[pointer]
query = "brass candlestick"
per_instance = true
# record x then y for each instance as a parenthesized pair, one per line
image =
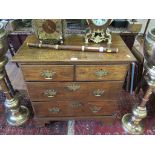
(132, 123)
(15, 113)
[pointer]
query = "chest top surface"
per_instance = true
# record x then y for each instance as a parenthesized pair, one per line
(26, 55)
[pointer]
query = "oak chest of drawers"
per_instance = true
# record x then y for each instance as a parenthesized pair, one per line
(71, 84)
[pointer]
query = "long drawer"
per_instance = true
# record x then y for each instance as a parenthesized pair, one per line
(100, 72)
(74, 108)
(48, 72)
(53, 91)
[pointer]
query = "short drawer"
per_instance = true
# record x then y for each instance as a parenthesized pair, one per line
(53, 91)
(48, 72)
(74, 108)
(100, 72)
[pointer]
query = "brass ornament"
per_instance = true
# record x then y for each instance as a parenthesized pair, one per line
(95, 109)
(101, 73)
(149, 47)
(98, 33)
(75, 104)
(3, 62)
(50, 93)
(54, 110)
(98, 37)
(98, 92)
(3, 42)
(73, 86)
(16, 114)
(132, 122)
(49, 30)
(48, 74)
(49, 26)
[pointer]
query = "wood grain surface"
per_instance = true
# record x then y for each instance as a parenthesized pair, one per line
(89, 73)
(35, 55)
(43, 109)
(61, 72)
(78, 92)
(111, 90)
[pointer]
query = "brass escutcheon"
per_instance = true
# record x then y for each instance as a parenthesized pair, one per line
(48, 74)
(98, 92)
(101, 73)
(75, 104)
(54, 110)
(73, 86)
(50, 93)
(95, 109)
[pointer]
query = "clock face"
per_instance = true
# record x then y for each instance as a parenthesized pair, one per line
(49, 26)
(99, 22)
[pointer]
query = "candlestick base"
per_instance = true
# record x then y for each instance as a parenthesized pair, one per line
(131, 128)
(131, 123)
(18, 118)
(16, 114)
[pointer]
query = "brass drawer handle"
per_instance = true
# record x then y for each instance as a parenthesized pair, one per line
(54, 110)
(73, 86)
(101, 73)
(98, 92)
(48, 74)
(75, 104)
(95, 109)
(50, 93)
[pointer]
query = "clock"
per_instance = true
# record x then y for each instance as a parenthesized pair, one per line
(49, 30)
(98, 31)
